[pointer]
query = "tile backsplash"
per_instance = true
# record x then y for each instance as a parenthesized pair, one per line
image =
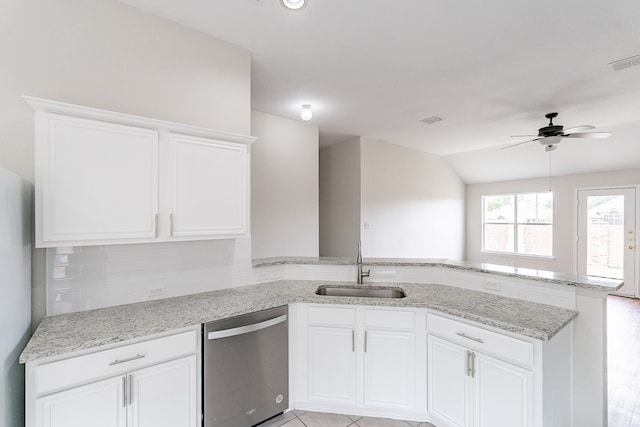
(87, 277)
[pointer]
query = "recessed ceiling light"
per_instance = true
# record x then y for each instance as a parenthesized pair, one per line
(306, 113)
(294, 4)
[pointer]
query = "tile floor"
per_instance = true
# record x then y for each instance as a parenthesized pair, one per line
(317, 419)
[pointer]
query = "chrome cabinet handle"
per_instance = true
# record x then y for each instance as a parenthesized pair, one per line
(463, 335)
(473, 364)
(365, 340)
(171, 225)
(130, 379)
(353, 340)
(156, 225)
(124, 391)
(470, 362)
(129, 359)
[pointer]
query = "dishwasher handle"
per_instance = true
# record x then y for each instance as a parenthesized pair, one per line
(246, 329)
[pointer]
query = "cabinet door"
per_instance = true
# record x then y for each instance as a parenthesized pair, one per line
(389, 369)
(96, 181)
(448, 383)
(331, 365)
(98, 404)
(164, 395)
(503, 394)
(209, 187)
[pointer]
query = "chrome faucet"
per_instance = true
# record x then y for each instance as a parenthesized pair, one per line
(361, 273)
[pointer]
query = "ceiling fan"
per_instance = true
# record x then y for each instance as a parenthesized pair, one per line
(551, 135)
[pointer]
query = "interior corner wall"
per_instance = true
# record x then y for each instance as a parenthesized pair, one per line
(413, 204)
(284, 187)
(340, 199)
(564, 220)
(15, 281)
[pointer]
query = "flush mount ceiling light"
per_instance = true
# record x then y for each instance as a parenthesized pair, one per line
(306, 113)
(293, 4)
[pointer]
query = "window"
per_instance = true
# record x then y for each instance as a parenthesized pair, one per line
(518, 224)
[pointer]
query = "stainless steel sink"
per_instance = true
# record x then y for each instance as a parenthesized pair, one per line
(360, 291)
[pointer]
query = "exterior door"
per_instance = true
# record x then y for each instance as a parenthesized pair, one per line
(607, 235)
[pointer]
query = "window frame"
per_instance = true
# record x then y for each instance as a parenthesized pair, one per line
(515, 225)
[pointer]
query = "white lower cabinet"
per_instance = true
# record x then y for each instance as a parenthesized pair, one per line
(361, 359)
(97, 404)
(332, 365)
(161, 395)
(467, 388)
(389, 369)
(152, 383)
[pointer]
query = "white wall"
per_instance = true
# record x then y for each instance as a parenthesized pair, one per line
(104, 54)
(15, 302)
(284, 187)
(563, 188)
(340, 199)
(412, 204)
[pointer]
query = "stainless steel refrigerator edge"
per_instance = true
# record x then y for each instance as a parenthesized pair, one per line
(246, 374)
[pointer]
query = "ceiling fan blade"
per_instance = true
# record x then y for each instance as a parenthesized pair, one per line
(578, 129)
(522, 136)
(589, 135)
(519, 143)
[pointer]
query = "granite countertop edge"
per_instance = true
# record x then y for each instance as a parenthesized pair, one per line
(580, 281)
(62, 334)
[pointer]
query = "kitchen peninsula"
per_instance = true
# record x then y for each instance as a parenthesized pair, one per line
(538, 312)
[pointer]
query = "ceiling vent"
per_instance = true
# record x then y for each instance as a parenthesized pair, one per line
(431, 120)
(625, 63)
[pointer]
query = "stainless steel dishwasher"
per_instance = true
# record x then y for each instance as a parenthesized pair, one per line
(246, 368)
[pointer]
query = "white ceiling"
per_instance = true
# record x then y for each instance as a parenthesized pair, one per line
(490, 68)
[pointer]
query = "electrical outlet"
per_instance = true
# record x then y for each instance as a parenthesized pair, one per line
(492, 285)
(155, 292)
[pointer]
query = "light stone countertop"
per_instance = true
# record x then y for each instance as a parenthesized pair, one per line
(580, 281)
(62, 334)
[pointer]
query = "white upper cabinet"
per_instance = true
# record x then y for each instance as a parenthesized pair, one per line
(208, 187)
(97, 181)
(112, 178)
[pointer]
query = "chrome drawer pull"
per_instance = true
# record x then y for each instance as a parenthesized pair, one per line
(129, 359)
(463, 335)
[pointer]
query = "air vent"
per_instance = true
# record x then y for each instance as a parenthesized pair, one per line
(625, 63)
(255, 1)
(431, 120)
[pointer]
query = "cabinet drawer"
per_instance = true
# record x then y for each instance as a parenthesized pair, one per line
(502, 346)
(101, 364)
(389, 319)
(335, 316)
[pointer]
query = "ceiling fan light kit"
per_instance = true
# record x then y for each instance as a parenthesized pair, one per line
(551, 135)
